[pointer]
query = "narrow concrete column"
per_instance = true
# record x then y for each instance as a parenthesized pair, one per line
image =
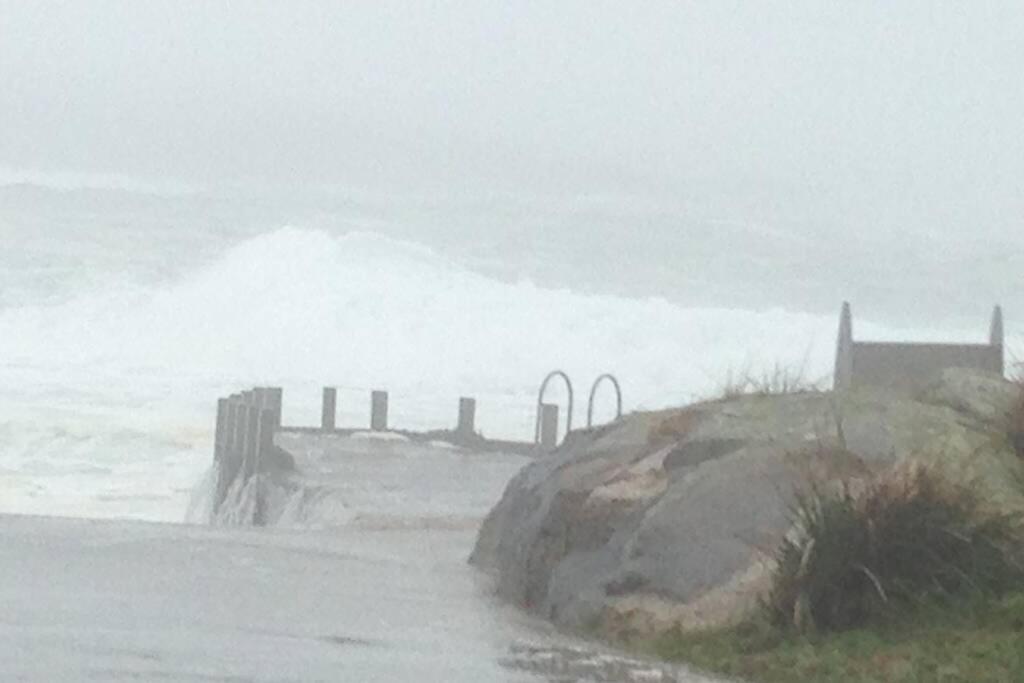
(275, 398)
(467, 417)
(266, 439)
(549, 426)
(227, 465)
(237, 431)
(220, 435)
(842, 377)
(235, 452)
(329, 409)
(379, 411)
(252, 440)
(260, 396)
(264, 446)
(995, 339)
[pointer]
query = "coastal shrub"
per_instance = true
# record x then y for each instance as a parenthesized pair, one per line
(861, 553)
(774, 382)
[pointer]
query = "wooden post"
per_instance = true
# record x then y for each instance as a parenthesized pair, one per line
(549, 426)
(329, 409)
(379, 411)
(467, 417)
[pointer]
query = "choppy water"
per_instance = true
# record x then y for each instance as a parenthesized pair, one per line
(124, 315)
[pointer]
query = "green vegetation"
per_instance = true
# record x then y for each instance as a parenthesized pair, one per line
(904, 577)
(904, 538)
(972, 642)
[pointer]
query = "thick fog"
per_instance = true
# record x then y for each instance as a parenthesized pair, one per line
(847, 149)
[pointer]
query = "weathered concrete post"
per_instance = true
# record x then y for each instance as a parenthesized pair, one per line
(329, 409)
(224, 447)
(252, 440)
(220, 434)
(264, 446)
(549, 426)
(996, 338)
(274, 399)
(379, 411)
(467, 417)
(266, 440)
(843, 376)
(238, 433)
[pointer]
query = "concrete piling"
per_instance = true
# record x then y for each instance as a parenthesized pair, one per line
(266, 440)
(548, 426)
(329, 409)
(274, 400)
(379, 411)
(247, 422)
(221, 433)
(252, 439)
(467, 417)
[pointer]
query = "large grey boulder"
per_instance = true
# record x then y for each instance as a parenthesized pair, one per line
(669, 518)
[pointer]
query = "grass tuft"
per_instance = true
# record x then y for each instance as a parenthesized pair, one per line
(861, 554)
(774, 382)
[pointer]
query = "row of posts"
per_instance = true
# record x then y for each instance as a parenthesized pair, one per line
(465, 427)
(246, 423)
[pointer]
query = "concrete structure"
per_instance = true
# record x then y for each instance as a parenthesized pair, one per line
(379, 411)
(329, 409)
(467, 417)
(907, 366)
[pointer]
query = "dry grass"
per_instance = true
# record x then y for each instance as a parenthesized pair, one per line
(773, 382)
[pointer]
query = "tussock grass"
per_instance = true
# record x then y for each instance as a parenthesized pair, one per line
(899, 576)
(900, 539)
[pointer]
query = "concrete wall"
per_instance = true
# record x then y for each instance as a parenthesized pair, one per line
(909, 366)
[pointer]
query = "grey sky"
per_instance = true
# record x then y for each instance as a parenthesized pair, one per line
(891, 115)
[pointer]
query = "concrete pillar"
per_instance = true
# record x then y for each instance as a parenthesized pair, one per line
(843, 376)
(220, 434)
(995, 339)
(227, 463)
(252, 440)
(548, 426)
(237, 431)
(273, 398)
(379, 411)
(266, 438)
(329, 408)
(467, 417)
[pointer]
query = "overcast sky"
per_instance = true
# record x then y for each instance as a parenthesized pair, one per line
(913, 110)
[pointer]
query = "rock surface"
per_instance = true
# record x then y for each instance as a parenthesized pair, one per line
(669, 518)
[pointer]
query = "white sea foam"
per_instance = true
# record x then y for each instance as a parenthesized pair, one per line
(108, 397)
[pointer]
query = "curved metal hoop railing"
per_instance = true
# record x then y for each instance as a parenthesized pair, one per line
(540, 402)
(593, 391)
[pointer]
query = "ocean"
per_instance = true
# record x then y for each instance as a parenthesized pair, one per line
(126, 311)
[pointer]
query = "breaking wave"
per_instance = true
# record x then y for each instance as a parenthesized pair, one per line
(123, 378)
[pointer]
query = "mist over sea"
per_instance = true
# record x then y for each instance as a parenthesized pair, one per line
(125, 312)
